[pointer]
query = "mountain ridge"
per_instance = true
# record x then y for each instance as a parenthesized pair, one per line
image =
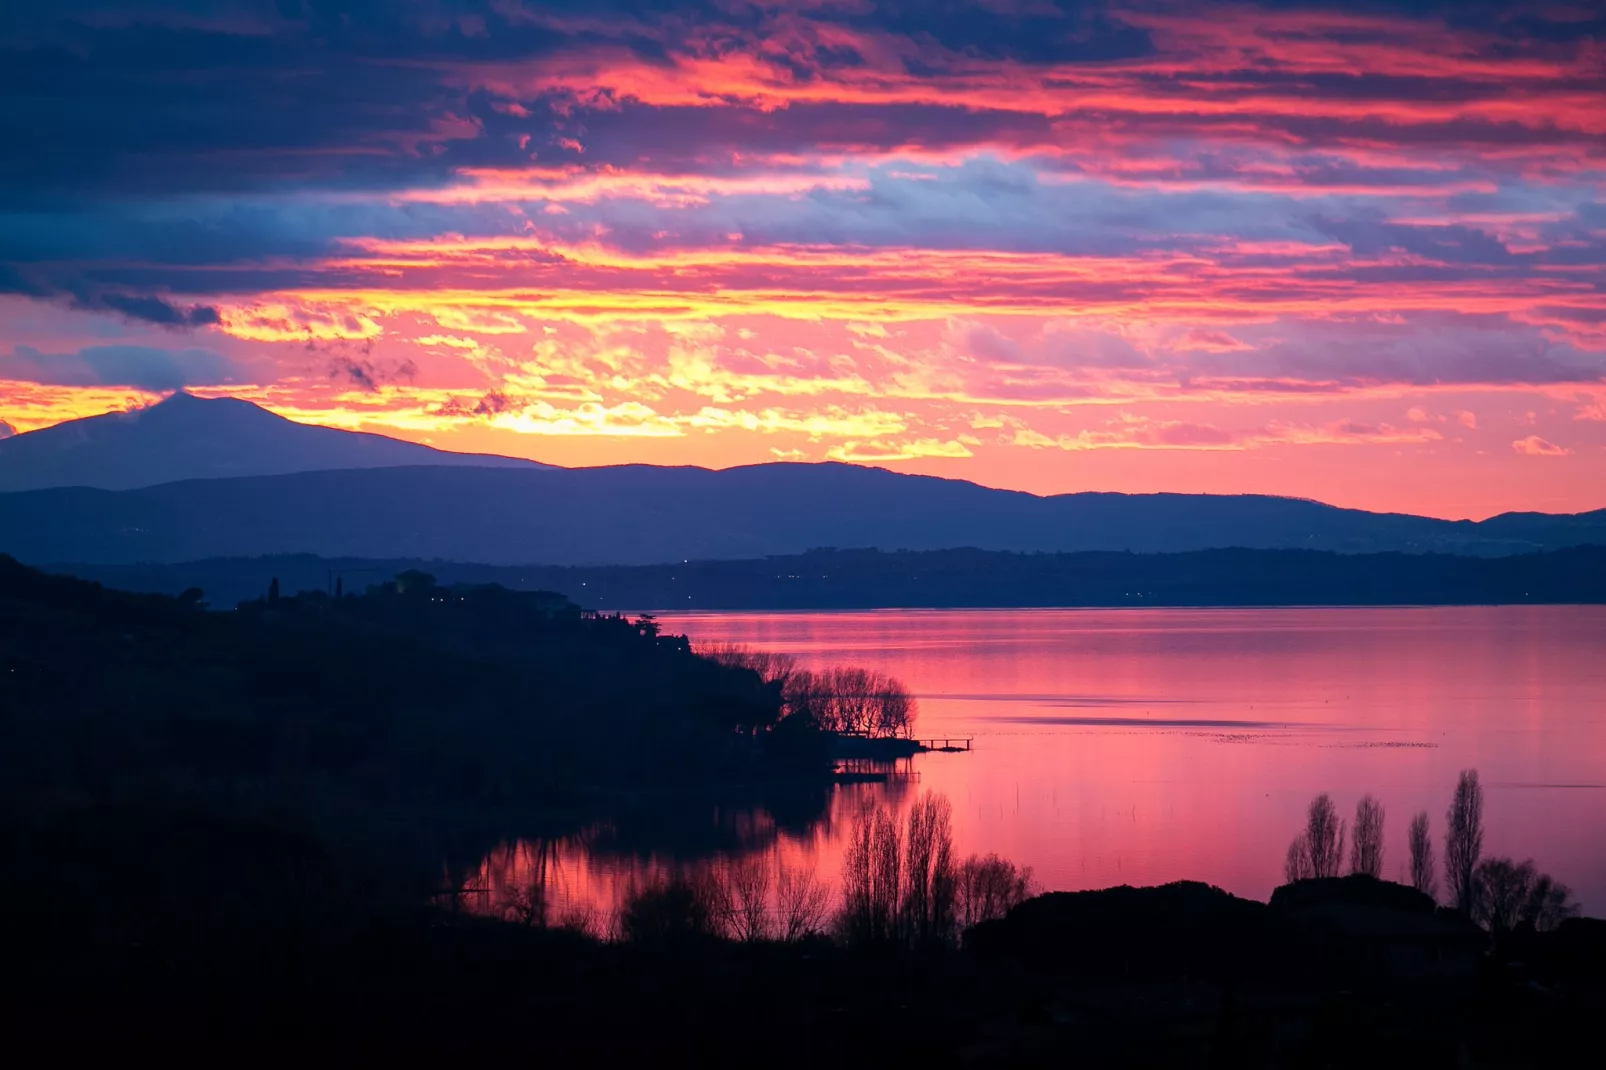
(641, 514)
(188, 437)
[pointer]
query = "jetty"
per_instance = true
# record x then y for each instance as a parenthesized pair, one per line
(854, 745)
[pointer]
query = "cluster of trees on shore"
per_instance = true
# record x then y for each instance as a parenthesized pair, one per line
(1498, 893)
(846, 700)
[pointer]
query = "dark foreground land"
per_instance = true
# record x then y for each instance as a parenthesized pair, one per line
(1183, 975)
(222, 838)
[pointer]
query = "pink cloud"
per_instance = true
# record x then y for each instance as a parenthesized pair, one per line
(1534, 446)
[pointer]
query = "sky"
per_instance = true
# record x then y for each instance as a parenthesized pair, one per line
(1345, 251)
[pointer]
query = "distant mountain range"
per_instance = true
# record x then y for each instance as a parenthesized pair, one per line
(194, 478)
(868, 579)
(186, 437)
(639, 514)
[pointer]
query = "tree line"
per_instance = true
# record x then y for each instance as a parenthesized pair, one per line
(846, 700)
(1498, 893)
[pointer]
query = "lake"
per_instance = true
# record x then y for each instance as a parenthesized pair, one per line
(1144, 746)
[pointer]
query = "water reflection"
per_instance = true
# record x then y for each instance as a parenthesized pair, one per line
(1144, 746)
(582, 879)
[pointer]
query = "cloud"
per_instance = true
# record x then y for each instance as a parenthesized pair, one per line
(142, 367)
(370, 375)
(884, 450)
(1534, 446)
(1131, 431)
(492, 403)
(745, 227)
(1417, 348)
(150, 309)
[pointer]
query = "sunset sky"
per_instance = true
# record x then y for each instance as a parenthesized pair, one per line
(1348, 251)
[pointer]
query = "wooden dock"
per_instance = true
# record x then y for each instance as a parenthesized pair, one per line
(852, 745)
(944, 744)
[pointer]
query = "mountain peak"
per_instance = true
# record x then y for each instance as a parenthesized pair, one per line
(185, 436)
(184, 401)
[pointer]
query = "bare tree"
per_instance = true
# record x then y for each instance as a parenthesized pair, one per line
(928, 871)
(746, 900)
(802, 903)
(989, 887)
(1423, 878)
(1463, 841)
(771, 666)
(851, 700)
(1549, 903)
(528, 905)
(871, 885)
(1296, 863)
(900, 886)
(1366, 843)
(1502, 889)
(1509, 893)
(1324, 837)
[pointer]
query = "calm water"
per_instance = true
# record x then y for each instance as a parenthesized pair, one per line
(1142, 746)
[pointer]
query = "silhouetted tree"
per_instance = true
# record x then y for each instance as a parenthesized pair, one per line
(668, 912)
(340, 586)
(802, 903)
(1549, 903)
(273, 589)
(988, 887)
(1324, 837)
(852, 700)
(928, 871)
(1510, 893)
(871, 879)
(771, 666)
(746, 895)
(1366, 841)
(1501, 889)
(1463, 841)
(1423, 878)
(1296, 863)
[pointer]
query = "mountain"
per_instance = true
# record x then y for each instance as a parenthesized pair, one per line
(186, 437)
(640, 514)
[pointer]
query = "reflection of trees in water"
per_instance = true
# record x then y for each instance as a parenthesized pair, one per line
(797, 829)
(689, 828)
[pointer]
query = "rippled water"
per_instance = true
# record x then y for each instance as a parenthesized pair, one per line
(1142, 746)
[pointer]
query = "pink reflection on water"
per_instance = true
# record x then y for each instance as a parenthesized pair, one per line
(575, 882)
(1142, 746)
